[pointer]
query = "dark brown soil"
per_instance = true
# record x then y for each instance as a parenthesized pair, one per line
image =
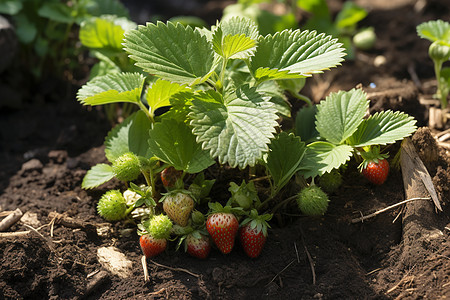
(47, 147)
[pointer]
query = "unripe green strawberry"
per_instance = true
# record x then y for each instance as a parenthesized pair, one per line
(365, 39)
(112, 206)
(331, 181)
(160, 227)
(312, 201)
(439, 51)
(178, 205)
(126, 167)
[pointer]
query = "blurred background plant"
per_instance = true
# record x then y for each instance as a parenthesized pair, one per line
(47, 36)
(276, 15)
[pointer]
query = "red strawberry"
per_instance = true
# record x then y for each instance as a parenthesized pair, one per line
(151, 246)
(376, 172)
(375, 167)
(253, 233)
(198, 245)
(169, 176)
(223, 226)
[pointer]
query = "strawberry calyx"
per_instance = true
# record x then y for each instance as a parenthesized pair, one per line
(174, 192)
(216, 207)
(371, 155)
(260, 222)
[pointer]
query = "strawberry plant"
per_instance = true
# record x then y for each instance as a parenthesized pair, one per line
(222, 93)
(44, 29)
(438, 32)
(336, 130)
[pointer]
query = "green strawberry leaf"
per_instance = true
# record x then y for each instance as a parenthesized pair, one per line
(272, 89)
(107, 7)
(322, 157)
(383, 128)
(104, 32)
(56, 11)
(350, 15)
(10, 7)
(305, 126)
(113, 88)
(295, 54)
(159, 93)
(130, 135)
(235, 38)
(236, 129)
(97, 175)
(285, 155)
(434, 31)
(171, 51)
(339, 116)
(173, 142)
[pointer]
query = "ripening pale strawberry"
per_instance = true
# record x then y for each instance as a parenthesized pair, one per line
(376, 172)
(253, 233)
(222, 226)
(126, 167)
(178, 205)
(198, 245)
(312, 201)
(151, 246)
(112, 206)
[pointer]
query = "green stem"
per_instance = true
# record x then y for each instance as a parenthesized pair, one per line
(222, 72)
(146, 111)
(151, 182)
(281, 203)
(129, 209)
(442, 95)
(303, 98)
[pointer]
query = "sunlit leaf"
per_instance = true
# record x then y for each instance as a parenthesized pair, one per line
(434, 30)
(340, 114)
(235, 38)
(294, 54)
(159, 93)
(237, 129)
(117, 87)
(104, 32)
(171, 51)
(383, 128)
(322, 157)
(97, 175)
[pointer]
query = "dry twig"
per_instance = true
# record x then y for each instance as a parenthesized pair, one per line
(144, 266)
(363, 218)
(279, 273)
(11, 219)
(175, 269)
(14, 234)
(311, 262)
